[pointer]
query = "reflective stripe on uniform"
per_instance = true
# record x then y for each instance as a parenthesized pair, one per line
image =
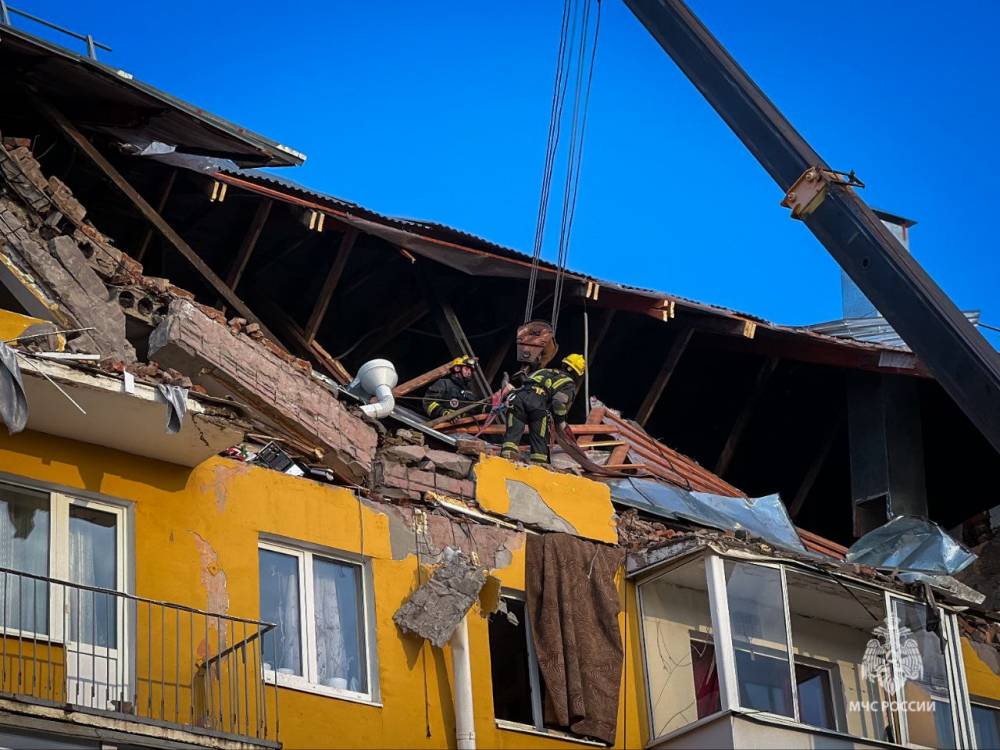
(539, 457)
(433, 407)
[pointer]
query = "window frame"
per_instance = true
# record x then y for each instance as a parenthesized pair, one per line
(981, 702)
(60, 503)
(725, 650)
(537, 727)
(308, 681)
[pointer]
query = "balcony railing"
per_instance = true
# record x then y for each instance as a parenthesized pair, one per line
(107, 652)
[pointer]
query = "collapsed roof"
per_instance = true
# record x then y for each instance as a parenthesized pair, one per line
(761, 404)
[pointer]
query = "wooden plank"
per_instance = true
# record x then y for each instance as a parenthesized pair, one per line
(619, 454)
(421, 380)
(812, 473)
(347, 240)
(305, 348)
(743, 418)
(674, 355)
(147, 211)
(249, 243)
(451, 327)
(160, 205)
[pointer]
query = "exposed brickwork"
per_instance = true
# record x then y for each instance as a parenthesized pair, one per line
(220, 360)
(63, 276)
(412, 481)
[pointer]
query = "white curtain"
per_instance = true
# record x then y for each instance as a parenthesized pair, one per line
(289, 652)
(332, 657)
(24, 546)
(83, 603)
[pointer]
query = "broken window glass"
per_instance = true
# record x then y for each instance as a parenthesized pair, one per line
(923, 673)
(279, 603)
(511, 665)
(677, 640)
(834, 623)
(757, 619)
(24, 547)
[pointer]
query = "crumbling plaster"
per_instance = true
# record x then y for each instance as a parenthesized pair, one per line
(548, 499)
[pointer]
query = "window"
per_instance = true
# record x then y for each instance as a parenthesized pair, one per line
(760, 639)
(928, 714)
(812, 648)
(832, 624)
(986, 725)
(50, 534)
(677, 643)
(516, 681)
(80, 541)
(319, 602)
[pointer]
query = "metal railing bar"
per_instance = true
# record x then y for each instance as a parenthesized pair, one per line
(219, 632)
(177, 665)
(102, 649)
(229, 649)
(7, 9)
(246, 684)
(135, 597)
(163, 666)
(149, 660)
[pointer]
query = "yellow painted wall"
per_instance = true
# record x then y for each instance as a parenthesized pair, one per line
(581, 502)
(193, 526)
(13, 324)
(983, 681)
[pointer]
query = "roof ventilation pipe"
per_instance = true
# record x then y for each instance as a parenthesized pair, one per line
(376, 378)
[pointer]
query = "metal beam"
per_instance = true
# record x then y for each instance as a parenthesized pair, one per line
(967, 367)
(347, 240)
(660, 383)
(148, 212)
(743, 418)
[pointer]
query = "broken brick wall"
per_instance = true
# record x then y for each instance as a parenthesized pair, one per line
(230, 363)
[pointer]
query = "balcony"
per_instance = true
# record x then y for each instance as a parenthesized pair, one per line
(108, 659)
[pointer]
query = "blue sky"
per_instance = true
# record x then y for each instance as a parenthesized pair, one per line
(439, 111)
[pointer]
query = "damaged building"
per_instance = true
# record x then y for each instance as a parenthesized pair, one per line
(227, 523)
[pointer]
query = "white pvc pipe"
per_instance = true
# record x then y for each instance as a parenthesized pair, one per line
(385, 404)
(465, 720)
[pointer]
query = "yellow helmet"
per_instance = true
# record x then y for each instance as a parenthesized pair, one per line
(576, 363)
(463, 361)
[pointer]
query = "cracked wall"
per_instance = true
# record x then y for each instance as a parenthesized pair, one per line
(546, 499)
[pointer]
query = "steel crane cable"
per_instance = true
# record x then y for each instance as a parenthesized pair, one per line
(551, 147)
(575, 159)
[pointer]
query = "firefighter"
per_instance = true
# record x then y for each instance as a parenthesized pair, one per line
(449, 394)
(549, 390)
